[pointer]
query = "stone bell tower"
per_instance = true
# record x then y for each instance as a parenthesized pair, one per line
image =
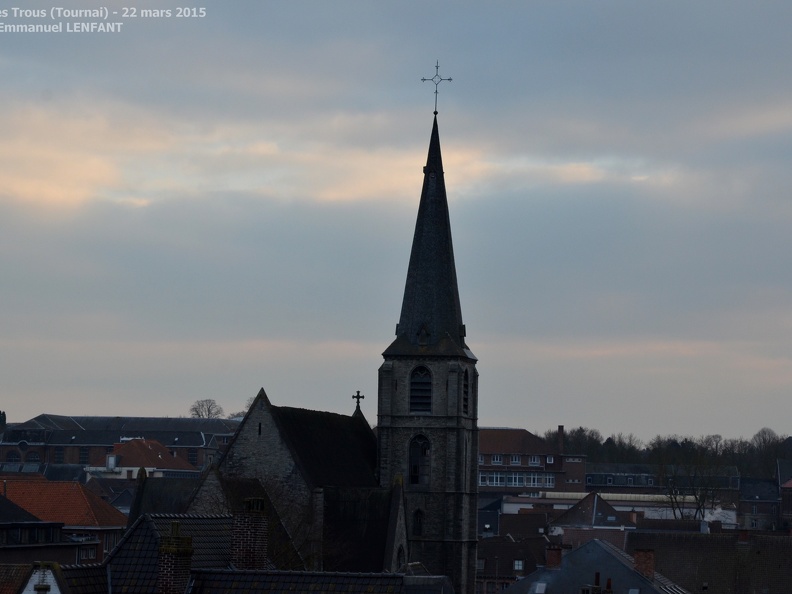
(428, 398)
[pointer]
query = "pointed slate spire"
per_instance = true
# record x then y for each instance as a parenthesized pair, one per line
(431, 318)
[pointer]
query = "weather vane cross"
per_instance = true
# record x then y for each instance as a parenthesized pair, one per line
(436, 79)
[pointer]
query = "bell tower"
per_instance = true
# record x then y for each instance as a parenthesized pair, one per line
(428, 397)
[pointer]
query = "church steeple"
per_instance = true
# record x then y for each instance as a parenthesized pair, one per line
(431, 317)
(427, 432)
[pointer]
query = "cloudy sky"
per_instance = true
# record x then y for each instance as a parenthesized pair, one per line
(199, 207)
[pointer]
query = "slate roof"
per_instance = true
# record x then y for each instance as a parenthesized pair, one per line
(752, 489)
(134, 562)
(431, 316)
(784, 471)
(162, 495)
(94, 430)
(593, 512)
(500, 552)
(502, 440)
(332, 450)
(579, 567)
(83, 579)
(67, 502)
(356, 524)
(254, 582)
(148, 453)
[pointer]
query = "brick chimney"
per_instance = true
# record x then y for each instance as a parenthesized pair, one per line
(553, 556)
(249, 536)
(645, 562)
(560, 438)
(175, 552)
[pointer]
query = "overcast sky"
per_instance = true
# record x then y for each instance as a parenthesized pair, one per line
(199, 207)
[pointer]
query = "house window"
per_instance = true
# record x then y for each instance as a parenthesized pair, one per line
(192, 456)
(754, 509)
(420, 448)
(515, 459)
(651, 482)
(550, 481)
(481, 458)
(87, 553)
(421, 390)
(480, 564)
(550, 459)
(13, 457)
(418, 523)
(83, 455)
(534, 461)
(32, 457)
(754, 523)
(466, 394)
(518, 565)
(515, 479)
(58, 455)
(497, 459)
(589, 480)
(610, 480)
(630, 480)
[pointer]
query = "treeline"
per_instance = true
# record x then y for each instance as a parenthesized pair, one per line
(755, 457)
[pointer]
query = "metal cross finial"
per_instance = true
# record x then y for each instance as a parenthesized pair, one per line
(436, 79)
(358, 397)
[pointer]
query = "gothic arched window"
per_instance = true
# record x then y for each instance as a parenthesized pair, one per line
(420, 450)
(418, 523)
(466, 393)
(421, 391)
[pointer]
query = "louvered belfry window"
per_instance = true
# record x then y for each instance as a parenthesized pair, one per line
(421, 391)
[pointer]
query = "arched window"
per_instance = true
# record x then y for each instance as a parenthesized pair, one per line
(466, 394)
(400, 557)
(418, 523)
(13, 456)
(421, 391)
(420, 450)
(32, 457)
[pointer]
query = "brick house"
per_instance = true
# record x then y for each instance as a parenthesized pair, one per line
(513, 461)
(84, 515)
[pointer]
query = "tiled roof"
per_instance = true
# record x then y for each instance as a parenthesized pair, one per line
(13, 577)
(66, 502)
(129, 424)
(10, 512)
(149, 454)
(512, 441)
(250, 582)
(333, 450)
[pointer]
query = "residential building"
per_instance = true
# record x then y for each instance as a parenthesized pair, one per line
(592, 518)
(85, 516)
(514, 461)
(760, 504)
(86, 440)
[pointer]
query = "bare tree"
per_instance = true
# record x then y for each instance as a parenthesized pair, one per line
(206, 409)
(242, 413)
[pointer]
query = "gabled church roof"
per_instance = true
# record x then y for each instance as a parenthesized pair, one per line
(333, 450)
(431, 317)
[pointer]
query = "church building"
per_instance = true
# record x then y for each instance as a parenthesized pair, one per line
(362, 500)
